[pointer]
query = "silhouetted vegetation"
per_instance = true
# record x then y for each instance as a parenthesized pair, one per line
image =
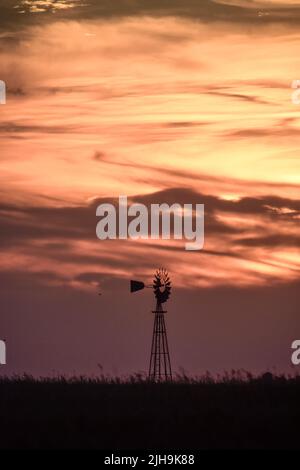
(237, 411)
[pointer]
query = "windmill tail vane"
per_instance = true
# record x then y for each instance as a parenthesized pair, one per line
(136, 285)
(160, 363)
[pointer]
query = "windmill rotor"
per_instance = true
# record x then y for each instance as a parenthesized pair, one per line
(162, 285)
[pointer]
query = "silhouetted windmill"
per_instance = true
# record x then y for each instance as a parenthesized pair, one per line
(160, 364)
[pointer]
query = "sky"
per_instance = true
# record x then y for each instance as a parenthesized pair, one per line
(182, 101)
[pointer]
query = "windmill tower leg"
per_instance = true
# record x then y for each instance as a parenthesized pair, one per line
(160, 364)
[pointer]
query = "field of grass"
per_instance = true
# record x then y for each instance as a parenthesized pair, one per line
(234, 412)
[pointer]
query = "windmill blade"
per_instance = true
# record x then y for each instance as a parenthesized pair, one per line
(136, 285)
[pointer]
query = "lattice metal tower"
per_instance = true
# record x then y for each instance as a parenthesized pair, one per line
(160, 363)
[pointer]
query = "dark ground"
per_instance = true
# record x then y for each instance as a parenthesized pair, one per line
(106, 414)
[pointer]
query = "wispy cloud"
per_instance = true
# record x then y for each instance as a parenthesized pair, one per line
(240, 238)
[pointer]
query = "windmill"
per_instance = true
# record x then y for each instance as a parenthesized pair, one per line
(160, 364)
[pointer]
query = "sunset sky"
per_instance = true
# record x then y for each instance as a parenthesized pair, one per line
(164, 101)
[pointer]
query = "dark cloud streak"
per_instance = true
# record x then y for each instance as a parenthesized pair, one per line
(205, 11)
